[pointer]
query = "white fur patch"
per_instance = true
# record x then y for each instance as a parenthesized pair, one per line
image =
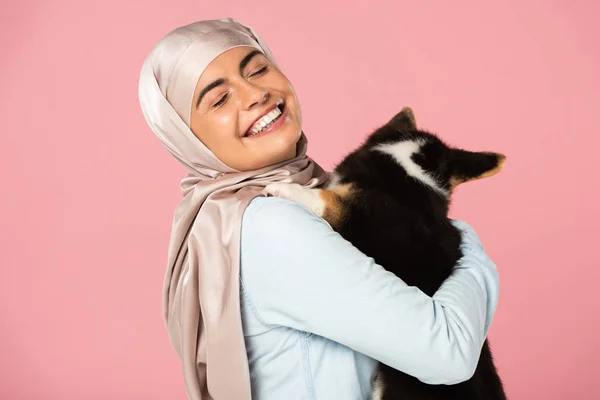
(334, 180)
(402, 152)
(308, 197)
(378, 388)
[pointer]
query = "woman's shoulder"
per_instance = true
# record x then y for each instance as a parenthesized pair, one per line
(283, 213)
(282, 228)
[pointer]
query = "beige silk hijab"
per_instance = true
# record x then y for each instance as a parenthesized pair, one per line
(201, 303)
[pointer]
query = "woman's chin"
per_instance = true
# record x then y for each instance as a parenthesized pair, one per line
(275, 148)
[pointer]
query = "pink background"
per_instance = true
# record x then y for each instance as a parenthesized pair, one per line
(88, 192)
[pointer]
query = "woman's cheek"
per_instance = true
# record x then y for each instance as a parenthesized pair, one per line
(227, 123)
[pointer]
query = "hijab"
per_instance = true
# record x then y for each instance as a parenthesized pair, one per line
(201, 296)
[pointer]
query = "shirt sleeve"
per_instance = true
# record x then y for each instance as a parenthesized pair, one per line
(299, 273)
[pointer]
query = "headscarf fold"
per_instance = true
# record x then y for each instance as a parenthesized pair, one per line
(201, 303)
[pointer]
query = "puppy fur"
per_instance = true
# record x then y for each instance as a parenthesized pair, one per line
(390, 198)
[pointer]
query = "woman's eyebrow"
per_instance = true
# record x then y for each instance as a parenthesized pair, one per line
(208, 88)
(247, 59)
(221, 81)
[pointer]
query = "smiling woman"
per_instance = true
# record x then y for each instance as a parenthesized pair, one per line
(262, 299)
(246, 110)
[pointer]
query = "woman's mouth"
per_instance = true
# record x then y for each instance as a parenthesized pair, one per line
(269, 122)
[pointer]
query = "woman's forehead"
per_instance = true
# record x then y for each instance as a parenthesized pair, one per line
(228, 63)
(231, 59)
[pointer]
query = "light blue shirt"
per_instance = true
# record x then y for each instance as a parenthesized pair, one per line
(318, 314)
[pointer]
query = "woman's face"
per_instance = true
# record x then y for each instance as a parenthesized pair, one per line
(246, 111)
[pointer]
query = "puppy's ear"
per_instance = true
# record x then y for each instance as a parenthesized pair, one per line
(467, 166)
(405, 120)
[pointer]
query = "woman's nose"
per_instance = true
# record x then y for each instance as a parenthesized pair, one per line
(255, 96)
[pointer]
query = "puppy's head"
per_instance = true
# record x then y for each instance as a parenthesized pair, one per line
(424, 157)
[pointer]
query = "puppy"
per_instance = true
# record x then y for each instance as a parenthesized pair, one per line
(390, 199)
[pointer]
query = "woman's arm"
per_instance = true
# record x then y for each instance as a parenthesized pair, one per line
(300, 273)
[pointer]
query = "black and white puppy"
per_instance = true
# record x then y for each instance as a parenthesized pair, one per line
(391, 197)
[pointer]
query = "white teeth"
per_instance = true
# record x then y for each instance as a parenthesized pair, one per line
(265, 121)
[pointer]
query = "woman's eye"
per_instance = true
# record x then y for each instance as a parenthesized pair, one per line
(260, 71)
(221, 101)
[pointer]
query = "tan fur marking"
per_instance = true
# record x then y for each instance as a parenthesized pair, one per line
(343, 190)
(494, 171)
(455, 181)
(408, 112)
(335, 208)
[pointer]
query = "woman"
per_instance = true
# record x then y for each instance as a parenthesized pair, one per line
(262, 299)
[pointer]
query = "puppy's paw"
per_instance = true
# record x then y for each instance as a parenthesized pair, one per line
(283, 190)
(309, 198)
